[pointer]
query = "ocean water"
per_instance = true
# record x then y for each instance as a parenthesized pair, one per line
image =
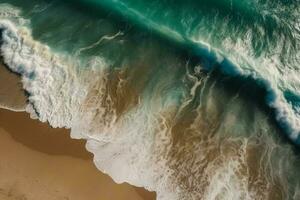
(191, 99)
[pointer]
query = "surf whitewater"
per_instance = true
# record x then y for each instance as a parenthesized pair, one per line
(193, 99)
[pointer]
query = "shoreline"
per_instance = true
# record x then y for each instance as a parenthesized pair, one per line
(41, 162)
(62, 162)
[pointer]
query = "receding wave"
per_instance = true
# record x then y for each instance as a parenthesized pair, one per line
(187, 113)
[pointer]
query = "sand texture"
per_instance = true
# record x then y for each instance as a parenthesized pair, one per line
(12, 95)
(41, 163)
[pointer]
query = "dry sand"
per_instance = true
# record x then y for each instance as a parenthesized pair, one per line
(38, 162)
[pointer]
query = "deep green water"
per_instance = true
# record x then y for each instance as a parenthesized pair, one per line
(191, 99)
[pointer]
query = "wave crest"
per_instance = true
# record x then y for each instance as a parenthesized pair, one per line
(171, 141)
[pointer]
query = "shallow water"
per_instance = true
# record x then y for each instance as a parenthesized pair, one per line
(191, 99)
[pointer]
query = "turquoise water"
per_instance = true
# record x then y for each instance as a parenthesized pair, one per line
(191, 99)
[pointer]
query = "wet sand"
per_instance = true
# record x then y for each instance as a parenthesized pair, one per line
(38, 162)
(11, 92)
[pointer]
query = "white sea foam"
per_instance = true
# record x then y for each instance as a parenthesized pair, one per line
(57, 92)
(137, 147)
(269, 71)
(48, 80)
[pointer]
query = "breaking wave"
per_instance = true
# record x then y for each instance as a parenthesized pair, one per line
(159, 108)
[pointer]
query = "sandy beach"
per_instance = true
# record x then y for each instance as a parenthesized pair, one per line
(11, 93)
(38, 162)
(41, 163)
